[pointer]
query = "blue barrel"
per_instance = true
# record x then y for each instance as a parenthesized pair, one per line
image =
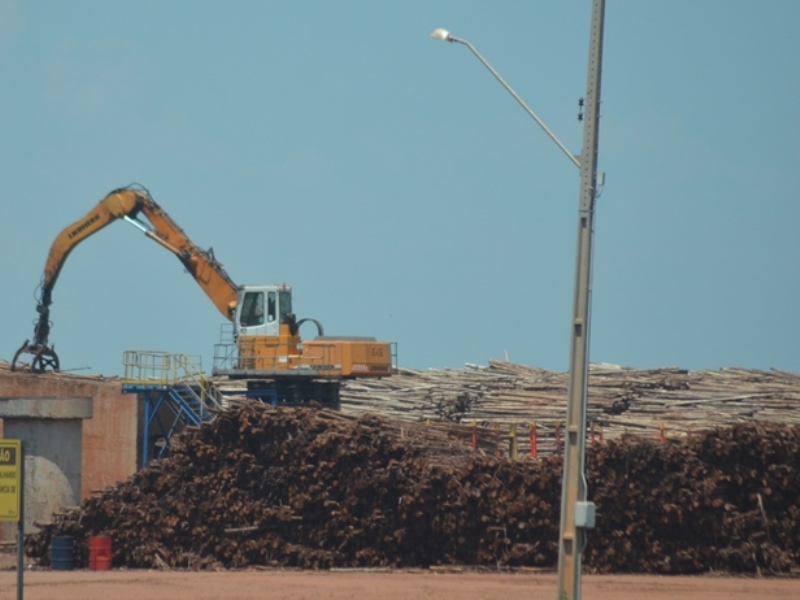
(61, 553)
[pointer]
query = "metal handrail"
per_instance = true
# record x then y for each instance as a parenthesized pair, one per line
(152, 367)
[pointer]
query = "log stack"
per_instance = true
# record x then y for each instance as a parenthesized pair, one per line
(665, 402)
(723, 501)
(320, 489)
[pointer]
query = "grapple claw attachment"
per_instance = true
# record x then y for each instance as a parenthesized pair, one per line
(44, 358)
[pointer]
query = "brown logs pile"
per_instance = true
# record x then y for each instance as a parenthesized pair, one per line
(725, 501)
(319, 489)
(306, 488)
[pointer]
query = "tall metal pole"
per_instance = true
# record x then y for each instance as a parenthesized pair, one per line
(21, 524)
(577, 515)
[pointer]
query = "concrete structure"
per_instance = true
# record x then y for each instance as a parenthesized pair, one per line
(107, 436)
(51, 434)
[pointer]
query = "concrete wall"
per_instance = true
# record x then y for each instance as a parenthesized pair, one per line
(57, 442)
(109, 437)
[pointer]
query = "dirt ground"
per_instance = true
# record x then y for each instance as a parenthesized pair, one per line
(381, 585)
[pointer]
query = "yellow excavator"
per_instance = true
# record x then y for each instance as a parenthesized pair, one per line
(265, 349)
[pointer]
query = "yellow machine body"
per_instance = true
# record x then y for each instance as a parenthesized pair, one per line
(266, 344)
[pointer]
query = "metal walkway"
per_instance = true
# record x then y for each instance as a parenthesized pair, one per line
(176, 393)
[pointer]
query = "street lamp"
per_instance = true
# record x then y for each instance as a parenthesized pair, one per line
(577, 514)
(446, 36)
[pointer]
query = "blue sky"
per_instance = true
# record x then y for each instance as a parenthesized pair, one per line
(397, 187)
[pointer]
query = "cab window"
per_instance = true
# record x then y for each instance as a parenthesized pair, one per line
(271, 308)
(252, 309)
(285, 304)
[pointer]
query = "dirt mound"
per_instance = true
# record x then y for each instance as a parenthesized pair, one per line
(318, 489)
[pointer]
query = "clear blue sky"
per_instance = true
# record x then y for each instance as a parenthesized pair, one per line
(397, 187)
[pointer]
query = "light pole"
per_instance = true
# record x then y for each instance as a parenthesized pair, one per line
(446, 36)
(577, 514)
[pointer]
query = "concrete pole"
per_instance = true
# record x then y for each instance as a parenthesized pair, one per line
(577, 515)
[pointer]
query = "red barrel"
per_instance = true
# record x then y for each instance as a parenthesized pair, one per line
(100, 553)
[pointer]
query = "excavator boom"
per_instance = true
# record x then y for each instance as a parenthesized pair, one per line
(128, 204)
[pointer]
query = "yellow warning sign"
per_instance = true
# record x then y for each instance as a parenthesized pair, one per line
(10, 476)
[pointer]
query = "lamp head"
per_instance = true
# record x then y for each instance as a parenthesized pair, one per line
(442, 34)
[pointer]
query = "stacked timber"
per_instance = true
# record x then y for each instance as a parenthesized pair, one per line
(261, 486)
(665, 402)
(723, 501)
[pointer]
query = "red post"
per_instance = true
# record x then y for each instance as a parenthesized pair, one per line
(534, 441)
(474, 435)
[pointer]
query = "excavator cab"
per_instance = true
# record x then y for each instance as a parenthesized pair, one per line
(265, 329)
(261, 309)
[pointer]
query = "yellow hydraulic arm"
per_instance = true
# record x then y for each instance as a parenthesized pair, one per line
(126, 203)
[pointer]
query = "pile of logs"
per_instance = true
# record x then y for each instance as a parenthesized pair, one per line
(665, 402)
(725, 500)
(321, 489)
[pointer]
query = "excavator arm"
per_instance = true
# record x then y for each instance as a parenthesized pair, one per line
(129, 204)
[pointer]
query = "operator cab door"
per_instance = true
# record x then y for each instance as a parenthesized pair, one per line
(257, 313)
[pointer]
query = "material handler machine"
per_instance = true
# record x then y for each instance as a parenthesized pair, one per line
(266, 349)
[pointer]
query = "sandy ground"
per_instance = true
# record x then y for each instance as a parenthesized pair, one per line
(396, 585)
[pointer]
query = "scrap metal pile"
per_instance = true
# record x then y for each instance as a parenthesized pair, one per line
(320, 489)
